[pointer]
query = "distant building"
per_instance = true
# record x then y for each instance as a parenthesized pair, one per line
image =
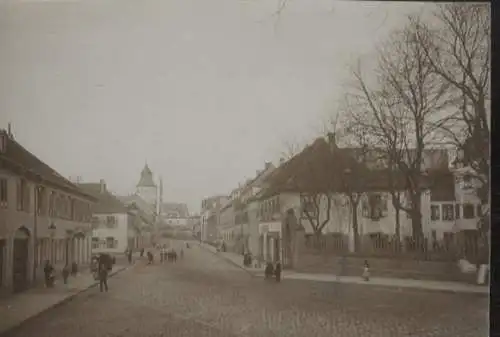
(146, 187)
(115, 227)
(175, 214)
(210, 213)
(43, 216)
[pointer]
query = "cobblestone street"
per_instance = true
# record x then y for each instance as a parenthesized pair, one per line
(202, 295)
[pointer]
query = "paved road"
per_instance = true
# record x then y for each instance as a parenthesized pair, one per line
(205, 296)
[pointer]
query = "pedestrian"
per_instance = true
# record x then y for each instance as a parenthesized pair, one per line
(366, 271)
(74, 269)
(65, 273)
(162, 254)
(129, 255)
(269, 271)
(150, 257)
(182, 253)
(103, 278)
(277, 271)
(142, 252)
(48, 271)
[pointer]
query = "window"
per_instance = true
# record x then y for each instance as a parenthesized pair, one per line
(448, 212)
(468, 210)
(3, 193)
(52, 204)
(434, 212)
(40, 199)
(23, 195)
(308, 206)
(95, 222)
(374, 206)
(110, 221)
(95, 243)
(110, 242)
(457, 211)
(72, 208)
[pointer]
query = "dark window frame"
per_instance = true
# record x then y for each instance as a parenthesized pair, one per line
(435, 212)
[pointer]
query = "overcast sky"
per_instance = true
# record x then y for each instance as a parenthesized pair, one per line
(205, 91)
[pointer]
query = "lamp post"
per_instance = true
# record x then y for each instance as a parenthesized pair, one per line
(52, 232)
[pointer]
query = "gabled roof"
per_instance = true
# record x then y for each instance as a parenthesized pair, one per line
(323, 167)
(16, 158)
(107, 203)
(442, 185)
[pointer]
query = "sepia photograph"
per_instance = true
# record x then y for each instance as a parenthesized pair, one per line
(245, 168)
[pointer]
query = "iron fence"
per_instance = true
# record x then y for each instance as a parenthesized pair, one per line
(449, 248)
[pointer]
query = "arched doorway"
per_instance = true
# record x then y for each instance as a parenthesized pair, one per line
(20, 259)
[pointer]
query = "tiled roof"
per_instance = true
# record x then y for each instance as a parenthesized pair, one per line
(17, 158)
(107, 203)
(321, 168)
(442, 186)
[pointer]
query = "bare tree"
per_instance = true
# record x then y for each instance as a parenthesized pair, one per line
(291, 148)
(400, 113)
(457, 48)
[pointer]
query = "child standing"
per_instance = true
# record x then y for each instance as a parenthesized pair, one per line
(366, 271)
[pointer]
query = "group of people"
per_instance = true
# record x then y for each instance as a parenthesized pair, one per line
(273, 270)
(49, 272)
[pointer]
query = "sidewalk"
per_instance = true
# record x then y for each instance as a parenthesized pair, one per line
(454, 287)
(18, 308)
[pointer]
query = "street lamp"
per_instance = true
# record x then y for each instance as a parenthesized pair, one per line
(52, 232)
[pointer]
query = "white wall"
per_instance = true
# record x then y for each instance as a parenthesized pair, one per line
(120, 232)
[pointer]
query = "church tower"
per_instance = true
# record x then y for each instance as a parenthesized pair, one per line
(146, 187)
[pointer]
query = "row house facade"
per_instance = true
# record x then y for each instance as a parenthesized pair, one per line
(43, 217)
(141, 221)
(209, 217)
(449, 208)
(239, 223)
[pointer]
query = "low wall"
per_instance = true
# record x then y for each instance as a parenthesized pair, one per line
(381, 267)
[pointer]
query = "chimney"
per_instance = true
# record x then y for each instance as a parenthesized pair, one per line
(268, 165)
(282, 161)
(103, 185)
(9, 131)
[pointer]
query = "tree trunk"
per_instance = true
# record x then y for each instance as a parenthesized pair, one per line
(416, 222)
(355, 226)
(317, 240)
(397, 231)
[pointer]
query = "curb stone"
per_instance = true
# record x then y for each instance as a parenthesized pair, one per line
(65, 300)
(397, 287)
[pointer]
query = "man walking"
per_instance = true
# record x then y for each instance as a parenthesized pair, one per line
(103, 277)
